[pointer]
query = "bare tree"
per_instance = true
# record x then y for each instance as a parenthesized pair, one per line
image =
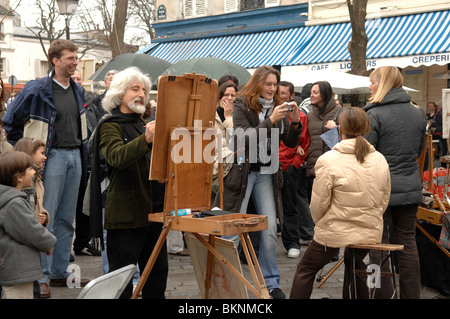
(118, 29)
(358, 44)
(142, 13)
(46, 27)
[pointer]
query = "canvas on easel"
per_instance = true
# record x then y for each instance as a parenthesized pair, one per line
(186, 104)
(223, 284)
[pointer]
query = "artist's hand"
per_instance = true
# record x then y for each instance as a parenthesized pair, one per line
(149, 132)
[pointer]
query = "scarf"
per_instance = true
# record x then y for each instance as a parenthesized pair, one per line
(130, 124)
(266, 108)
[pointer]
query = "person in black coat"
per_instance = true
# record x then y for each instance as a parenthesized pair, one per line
(398, 131)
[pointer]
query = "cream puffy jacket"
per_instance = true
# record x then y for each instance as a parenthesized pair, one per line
(349, 198)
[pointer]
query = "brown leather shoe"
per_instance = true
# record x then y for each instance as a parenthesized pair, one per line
(62, 282)
(45, 291)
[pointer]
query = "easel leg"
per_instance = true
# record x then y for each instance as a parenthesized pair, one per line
(231, 267)
(252, 261)
(331, 272)
(151, 260)
(432, 239)
(209, 266)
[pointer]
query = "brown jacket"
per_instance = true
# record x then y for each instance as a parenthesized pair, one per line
(235, 183)
(316, 127)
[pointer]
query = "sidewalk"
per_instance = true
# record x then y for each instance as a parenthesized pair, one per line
(182, 283)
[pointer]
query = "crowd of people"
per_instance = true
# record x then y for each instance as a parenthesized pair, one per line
(74, 176)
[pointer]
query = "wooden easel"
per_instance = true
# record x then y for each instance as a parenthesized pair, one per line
(188, 185)
(433, 215)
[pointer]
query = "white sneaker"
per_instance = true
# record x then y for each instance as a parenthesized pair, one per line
(293, 253)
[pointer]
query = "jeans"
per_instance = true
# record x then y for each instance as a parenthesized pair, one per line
(260, 188)
(62, 177)
(297, 221)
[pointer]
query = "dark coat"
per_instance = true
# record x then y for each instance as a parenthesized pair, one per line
(235, 183)
(398, 132)
(316, 127)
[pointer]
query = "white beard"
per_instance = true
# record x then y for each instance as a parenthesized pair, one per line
(137, 108)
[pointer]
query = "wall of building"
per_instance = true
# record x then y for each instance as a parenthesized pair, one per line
(333, 11)
(175, 8)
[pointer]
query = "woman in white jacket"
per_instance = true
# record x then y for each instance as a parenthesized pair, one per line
(350, 193)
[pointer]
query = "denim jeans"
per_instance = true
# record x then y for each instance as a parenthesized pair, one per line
(62, 177)
(260, 188)
(297, 221)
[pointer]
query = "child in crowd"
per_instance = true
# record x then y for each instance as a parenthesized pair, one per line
(349, 196)
(36, 149)
(22, 237)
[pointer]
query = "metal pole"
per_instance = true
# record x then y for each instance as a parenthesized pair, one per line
(67, 28)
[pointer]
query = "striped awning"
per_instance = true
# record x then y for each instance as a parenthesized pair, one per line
(401, 36)
(249, 50)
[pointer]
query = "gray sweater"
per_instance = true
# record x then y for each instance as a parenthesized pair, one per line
(22, 237)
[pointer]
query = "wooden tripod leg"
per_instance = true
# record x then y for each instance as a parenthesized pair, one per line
(151, 260)
(252, 261)
(209, 266)
(432, 239)
(331, 272)
(224, 261)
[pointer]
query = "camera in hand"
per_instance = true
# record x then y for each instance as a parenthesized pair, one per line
(289, 106)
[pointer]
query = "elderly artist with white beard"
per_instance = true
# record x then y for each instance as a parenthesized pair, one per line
(125, 141)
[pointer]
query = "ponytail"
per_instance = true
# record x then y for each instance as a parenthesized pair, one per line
(362, 148)
(354, 122)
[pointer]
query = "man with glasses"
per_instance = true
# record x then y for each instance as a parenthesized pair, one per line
(51, 109)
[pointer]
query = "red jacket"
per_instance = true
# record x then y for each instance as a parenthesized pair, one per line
(288, 155)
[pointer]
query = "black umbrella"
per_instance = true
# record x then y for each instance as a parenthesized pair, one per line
(213, 68)
(149, 65)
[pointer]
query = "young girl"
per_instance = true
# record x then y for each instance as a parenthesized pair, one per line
(350, 193)
(36, 149)
(22, 237)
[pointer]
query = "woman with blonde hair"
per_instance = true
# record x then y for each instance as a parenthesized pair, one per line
(350, 193)
(398, 132)
(260, 121)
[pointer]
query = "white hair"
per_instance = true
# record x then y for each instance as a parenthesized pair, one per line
(120, 84)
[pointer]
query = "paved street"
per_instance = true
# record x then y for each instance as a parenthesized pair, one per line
(182, 283)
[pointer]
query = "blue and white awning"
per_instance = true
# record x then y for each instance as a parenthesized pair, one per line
(249, 50)
(420, 39)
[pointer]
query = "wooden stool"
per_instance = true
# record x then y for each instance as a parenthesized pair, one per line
(381, 247)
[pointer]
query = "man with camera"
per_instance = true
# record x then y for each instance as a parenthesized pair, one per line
(298, 226)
